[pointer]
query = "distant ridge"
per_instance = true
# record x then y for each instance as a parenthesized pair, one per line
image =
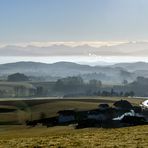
(113, 73)
(133, 66)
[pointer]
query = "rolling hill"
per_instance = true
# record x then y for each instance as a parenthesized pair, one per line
(115, 73)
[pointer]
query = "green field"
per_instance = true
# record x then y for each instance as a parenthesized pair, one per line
(64, 136)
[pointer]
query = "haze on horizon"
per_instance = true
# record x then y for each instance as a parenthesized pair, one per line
(81, 31)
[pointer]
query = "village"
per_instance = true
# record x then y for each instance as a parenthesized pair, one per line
(122, 114)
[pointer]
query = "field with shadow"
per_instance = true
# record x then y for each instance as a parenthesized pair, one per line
(14, 133)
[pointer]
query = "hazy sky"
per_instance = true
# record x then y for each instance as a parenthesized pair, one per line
(43, 23)
(73, 20)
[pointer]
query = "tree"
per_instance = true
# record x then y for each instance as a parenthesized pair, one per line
(121, 93)
(42, 115)
(40, 91)
(105, 93)
(125, 82)
(93, 83)
(99, 83)
(93, 87)
(112, 92)
(69, 84)
(131, 94)
(17, 77)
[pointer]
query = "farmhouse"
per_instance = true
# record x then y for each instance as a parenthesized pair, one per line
(122, 114)
(66, 116)
(144, 104)
(96, 114)
(103, 106)
(102, 114)
(123, 105)
(24, 90)
(16, 89)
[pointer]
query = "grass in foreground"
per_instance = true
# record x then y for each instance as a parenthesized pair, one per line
(130, 137)
(20, 136)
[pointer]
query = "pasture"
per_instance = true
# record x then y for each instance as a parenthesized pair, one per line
(42, 137)
(13, 132)
(23, 110)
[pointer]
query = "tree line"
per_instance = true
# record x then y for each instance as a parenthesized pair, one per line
(76, 86)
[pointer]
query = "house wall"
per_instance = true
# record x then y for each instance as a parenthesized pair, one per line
(66, 118)
(97, 117)
(24, 92)
(16, 91)
(6, 91)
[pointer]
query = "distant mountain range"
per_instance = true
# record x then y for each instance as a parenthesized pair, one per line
(124, 49)
(109, 74)
(143, 66)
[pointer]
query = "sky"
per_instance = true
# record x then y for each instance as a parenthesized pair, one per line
(72, 22)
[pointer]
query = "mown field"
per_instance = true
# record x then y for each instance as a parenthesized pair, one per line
(18, 136)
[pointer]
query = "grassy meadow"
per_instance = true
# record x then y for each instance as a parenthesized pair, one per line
(42, 137)
(18, 136)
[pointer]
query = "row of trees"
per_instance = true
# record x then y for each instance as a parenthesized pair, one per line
(113, 93)
(17, 77)
(76, 85)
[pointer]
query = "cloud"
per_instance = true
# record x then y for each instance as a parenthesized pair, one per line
(83, 48)
(68, 43)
